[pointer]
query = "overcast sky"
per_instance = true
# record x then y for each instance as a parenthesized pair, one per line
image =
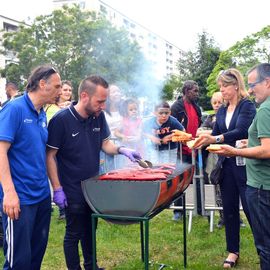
(178, 21)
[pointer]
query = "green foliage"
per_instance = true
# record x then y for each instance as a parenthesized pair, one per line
(171, 87)
(243, 55)
(224, 61)
(78, 43)
(198, 65)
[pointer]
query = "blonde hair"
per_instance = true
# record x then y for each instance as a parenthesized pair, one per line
(216, 95)
(233, 76)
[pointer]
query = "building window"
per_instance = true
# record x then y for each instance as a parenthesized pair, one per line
(82, 5)
(9, 27)
(103, 9)
(126, 22)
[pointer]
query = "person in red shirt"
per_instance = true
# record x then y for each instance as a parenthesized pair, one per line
(188, 113)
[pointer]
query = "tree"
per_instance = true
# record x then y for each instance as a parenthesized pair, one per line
(78, 43)
(171, 87)
(199, 64)
(243, 55)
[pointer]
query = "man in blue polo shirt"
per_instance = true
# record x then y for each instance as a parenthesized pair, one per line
(76, 136)
(24, 192)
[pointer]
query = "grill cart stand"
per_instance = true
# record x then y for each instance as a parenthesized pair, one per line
(144, 231)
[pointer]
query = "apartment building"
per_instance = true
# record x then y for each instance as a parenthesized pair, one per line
(162, 54)
(6, 25)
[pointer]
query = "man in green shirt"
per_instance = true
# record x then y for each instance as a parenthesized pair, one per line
(257, 153)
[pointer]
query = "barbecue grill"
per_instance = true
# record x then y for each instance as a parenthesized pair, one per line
(137, 197)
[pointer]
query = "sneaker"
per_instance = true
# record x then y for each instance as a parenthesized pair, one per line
(220, 223)
(177, 216)
(62, 213)
(242, 224)
(62, 216)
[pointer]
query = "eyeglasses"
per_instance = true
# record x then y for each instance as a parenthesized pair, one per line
(34, 80)
(46, 74)
(227, 73)
(252, 85)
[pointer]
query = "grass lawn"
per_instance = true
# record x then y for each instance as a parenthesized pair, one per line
(118, 246)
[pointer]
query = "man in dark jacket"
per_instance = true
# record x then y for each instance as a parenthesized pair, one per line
(12, 91)
(188, 113)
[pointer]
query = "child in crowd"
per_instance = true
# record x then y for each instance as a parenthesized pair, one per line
(158, 131)
(129, 130)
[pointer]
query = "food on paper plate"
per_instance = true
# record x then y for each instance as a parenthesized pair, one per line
(214, 147)
(180, 136)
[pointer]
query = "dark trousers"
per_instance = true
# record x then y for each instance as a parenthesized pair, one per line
(78, 229)
(179, 202)
(259, 204)
(25, 239)
(232, 186)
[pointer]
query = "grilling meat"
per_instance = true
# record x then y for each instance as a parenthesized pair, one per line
(159, 173)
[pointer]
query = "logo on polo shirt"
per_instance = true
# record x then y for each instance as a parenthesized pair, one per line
(28, 121)
(96, 129)
(75, 134)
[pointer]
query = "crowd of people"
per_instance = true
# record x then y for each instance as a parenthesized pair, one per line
(68, 146)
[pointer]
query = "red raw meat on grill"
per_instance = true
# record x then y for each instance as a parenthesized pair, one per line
(137, 174)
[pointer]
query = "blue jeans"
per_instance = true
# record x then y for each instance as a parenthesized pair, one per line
(258, 201)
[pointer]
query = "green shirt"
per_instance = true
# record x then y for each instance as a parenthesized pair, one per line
(258, 170)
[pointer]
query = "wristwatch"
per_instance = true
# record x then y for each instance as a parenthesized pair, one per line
(218, 138)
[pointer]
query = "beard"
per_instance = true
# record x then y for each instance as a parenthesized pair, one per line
(90, 112)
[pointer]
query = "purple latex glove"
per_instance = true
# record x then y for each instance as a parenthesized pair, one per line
(130, 153)
(59, 197)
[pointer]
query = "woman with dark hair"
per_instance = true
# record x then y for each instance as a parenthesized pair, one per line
(232, 122)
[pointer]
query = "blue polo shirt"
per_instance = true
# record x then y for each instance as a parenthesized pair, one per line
(26, 130)
(152, 127)
(79, 142)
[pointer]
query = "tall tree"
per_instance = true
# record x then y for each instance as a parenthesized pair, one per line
(243, 55)
(171, 87)
(78, 43)
(198, 65)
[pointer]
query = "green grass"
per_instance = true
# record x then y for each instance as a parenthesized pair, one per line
(118, 246)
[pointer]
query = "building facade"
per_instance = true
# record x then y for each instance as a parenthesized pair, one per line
(6, 25)
(159, 52)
